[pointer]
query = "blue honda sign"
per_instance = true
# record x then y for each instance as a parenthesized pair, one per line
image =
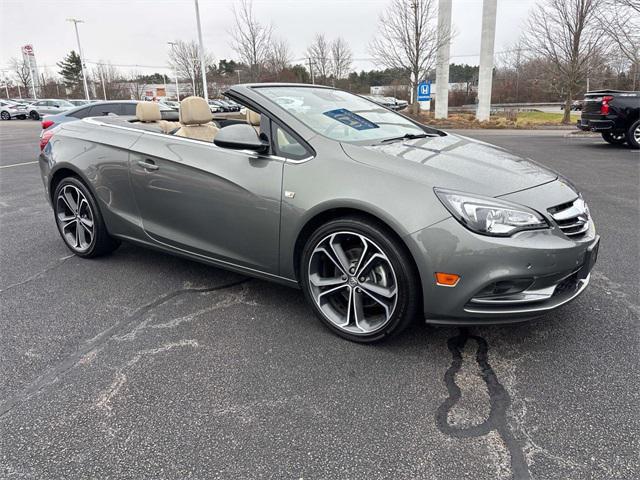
(424, 91)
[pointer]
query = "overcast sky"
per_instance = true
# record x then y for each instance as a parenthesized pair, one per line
(136, 31)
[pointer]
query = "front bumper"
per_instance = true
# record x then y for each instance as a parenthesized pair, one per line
(551, 268)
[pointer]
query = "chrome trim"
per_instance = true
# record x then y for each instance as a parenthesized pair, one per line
(578, 212)
(501, 312)
(525, 296)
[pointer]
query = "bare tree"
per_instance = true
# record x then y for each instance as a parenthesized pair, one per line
(279, 56)
(566, 33)
(341, 59)
(408, 38)
(184, 58)
(620, 20)
(251, 39)
(320, 55)
(109, 82)
(22, 72)
(137, 85)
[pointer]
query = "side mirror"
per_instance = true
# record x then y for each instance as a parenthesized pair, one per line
(240, 137)
(57, 106)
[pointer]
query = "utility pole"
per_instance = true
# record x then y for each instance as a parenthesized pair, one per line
(442, 68)
(6, 83)
(175, 72)
(311, 70)
(485, 76)
(104, 91)
(203, 67)
(84, 72)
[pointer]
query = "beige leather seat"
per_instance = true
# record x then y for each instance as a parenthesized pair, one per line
(195, 117)
(167, 127)
(148, 112)
(253, 119)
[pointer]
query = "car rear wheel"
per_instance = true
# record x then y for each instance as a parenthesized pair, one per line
(359, 280)
(5, 116)
(33, 115)
(614, 138)
(79, 220)
(633, 135)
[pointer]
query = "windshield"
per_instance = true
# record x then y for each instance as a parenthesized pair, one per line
(341, 115)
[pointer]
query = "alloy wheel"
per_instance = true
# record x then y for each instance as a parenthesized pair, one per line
(6, 116)
(636, 134)
(353, 282)
(75, 218)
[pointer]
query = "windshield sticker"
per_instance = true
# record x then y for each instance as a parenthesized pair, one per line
(351, 119)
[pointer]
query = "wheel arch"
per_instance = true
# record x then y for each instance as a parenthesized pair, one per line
(63, 171)
(335, 212)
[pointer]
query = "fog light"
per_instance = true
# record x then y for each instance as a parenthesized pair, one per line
(447, 279)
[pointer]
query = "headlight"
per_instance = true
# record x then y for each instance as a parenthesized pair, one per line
(490, 216)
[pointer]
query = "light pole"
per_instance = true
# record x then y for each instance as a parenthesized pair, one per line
(442, 68)
(485, 75)
(84, 73)
(104, 91)
(201, 54)
(175, 72)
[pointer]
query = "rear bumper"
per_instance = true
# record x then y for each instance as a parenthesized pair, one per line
(596, 125)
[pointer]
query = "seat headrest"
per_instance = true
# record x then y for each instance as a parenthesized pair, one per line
(148, 112)
(195, 111)
(253, 118)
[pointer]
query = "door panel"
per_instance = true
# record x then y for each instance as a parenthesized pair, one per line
(207, 200)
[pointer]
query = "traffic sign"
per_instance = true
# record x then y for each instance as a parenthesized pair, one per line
(424, 91)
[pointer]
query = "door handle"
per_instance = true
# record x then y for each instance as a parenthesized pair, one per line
(148, 164)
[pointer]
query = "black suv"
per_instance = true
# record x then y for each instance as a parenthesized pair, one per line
(613, 113)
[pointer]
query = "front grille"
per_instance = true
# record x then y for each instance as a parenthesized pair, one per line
(572, 218)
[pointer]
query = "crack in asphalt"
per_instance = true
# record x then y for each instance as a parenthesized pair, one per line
(499, 401)
(53, 374)
(37, 274)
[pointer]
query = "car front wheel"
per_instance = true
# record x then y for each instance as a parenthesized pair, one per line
(360, 280)
(33, 115)
(614, 138)
(79, 220)
(5, 116)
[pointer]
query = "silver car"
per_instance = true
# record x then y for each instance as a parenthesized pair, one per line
(9, 110)
(48, 106)
(378, 219)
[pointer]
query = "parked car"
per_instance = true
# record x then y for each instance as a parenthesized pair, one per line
(9, 110)
(171, 104)
(48, 106)
(377, 218)
(99, 109)
(77, 102)
(215, 107)
(613, 113)
(231, 106)
(222, 106)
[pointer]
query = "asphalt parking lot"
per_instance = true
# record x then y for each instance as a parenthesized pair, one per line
(143, 365)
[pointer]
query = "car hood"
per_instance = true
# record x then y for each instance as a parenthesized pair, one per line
(454, 162)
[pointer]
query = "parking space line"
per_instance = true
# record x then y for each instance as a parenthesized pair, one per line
(18, 164)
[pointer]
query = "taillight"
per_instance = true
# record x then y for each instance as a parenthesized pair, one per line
(604, 108)
(47, 123)
(44, 139)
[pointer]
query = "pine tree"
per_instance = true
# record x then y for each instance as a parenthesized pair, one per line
(71, 71)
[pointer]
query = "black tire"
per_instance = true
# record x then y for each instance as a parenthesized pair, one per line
(409, 296)
(5, 116)
(614, 138)
(633, 135)
(33, 115)
(101, 242)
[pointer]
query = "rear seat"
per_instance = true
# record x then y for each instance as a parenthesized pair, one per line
(148, 113)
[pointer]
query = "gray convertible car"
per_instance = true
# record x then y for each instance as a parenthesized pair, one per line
(378, 219)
